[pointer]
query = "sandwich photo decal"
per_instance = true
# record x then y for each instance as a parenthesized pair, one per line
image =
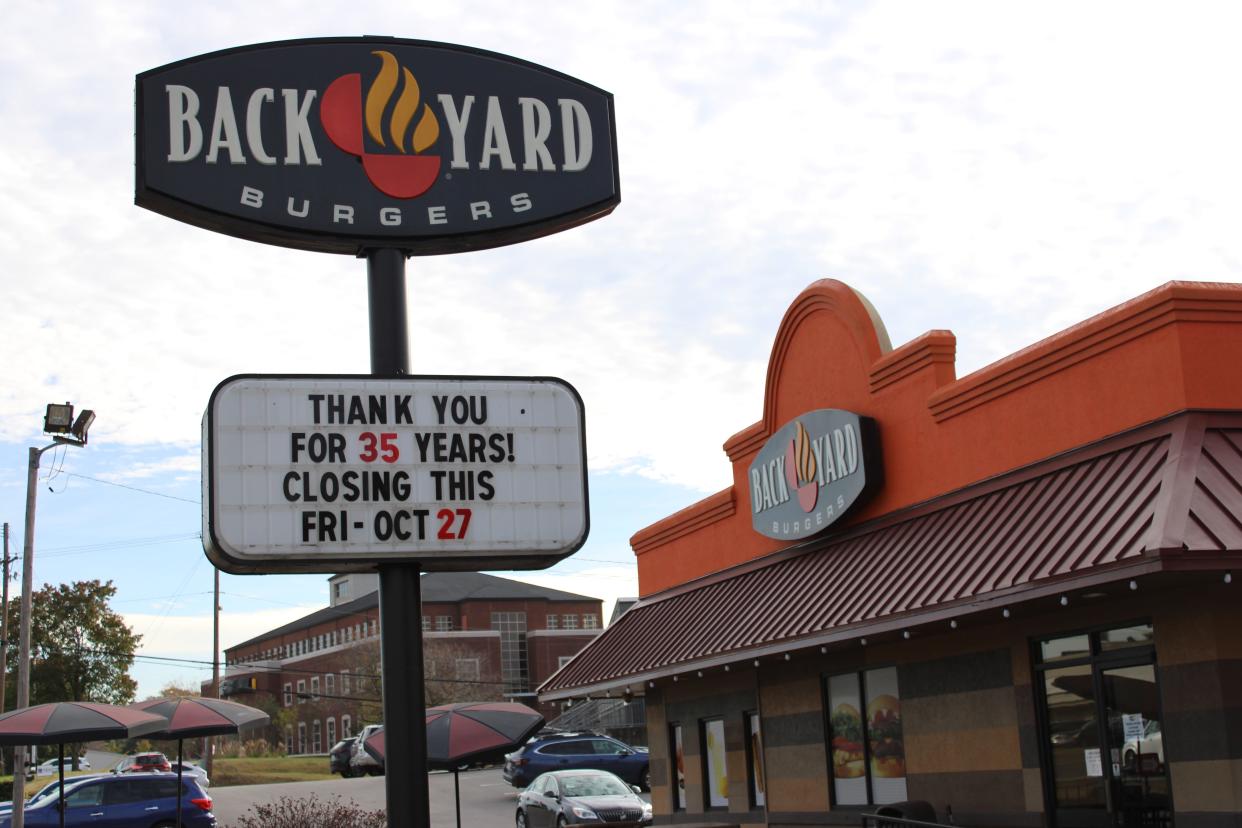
(868, 748)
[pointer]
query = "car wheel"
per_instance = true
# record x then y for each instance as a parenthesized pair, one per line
(1130, 760)
(521, 818)
(560, 822)
(644, 779)
(165, 825)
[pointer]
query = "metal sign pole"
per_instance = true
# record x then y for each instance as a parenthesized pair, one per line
(401, 614)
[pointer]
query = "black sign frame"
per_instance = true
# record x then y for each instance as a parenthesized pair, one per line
(179, 194)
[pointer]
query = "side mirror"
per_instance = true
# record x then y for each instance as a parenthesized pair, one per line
(636, 789)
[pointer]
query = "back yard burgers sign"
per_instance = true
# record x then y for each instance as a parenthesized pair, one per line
(336, 473)
(812, 471)
(340, 145)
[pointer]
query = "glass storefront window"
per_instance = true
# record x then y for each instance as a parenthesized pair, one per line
(1122, 637)
(867, 745)
(715, 768)
(1074, 737)
(1060, 649)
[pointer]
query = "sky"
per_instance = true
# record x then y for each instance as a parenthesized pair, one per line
(1002, 170)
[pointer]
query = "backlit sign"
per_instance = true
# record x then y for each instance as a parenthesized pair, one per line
(811, 471)
(322, 473)
(340, 145)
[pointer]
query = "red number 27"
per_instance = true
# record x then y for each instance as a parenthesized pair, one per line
(446, 517)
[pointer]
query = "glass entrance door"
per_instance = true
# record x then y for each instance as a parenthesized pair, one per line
(1138, 778)
(1101, 729)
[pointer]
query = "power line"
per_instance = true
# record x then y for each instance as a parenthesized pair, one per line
(134, 488)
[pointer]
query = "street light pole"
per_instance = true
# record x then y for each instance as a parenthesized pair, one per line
(78, 438)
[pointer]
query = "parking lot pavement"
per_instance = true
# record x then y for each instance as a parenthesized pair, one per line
(486, 799)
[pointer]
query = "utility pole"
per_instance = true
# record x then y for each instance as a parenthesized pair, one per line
(209, 742)
(4, 620)
(4, 626)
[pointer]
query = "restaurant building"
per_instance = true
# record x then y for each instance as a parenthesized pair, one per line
(1007, 595)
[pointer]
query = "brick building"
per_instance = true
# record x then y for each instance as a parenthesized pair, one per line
(484, 637)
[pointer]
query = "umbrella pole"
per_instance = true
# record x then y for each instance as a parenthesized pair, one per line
(457, 796)
(60, 755)
(179, 767)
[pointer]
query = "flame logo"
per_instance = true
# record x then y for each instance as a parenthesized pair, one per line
(800, 468)
(407, 175)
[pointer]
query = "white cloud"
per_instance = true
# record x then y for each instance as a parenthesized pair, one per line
(1003, 171)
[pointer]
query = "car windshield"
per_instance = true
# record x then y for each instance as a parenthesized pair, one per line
(598, 785)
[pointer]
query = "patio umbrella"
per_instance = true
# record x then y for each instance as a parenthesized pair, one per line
(61, 722)
(187, 717)
(458, 734)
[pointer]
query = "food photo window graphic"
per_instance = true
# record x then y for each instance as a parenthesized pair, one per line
(715, 767)
(754, 752)
(679, 768)
(868, 750)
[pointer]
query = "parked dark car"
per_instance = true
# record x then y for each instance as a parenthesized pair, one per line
(567, 751)
(581, 797)
(146, 800)
(339, 756)
(144, 762)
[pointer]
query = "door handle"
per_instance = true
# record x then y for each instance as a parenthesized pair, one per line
(97, 813)
(152, 808)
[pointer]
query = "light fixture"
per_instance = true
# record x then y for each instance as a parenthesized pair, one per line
(862, 641)
(905, 634)
(756, 662)
(1065, 600)
(651, 684)
(1133, 585)
(82, 424)
(726, 668)
(823, 651)
(787, 656)
(953, 624)
(569, 703)
(1005, 613)
(700, 674)
(58, 419)
(674, 679)
(1229, 577)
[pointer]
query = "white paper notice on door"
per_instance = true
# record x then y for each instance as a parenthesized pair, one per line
(1095, 767)
(1132, 726)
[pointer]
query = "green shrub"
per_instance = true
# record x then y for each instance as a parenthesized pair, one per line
(311, 812)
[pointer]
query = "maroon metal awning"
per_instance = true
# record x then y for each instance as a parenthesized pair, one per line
(1167, 496)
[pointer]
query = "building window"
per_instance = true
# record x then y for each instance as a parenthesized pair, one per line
(444, 623)
(329, 687)
(316, 737)
(467, 669)
(301, 737)
(288, 740)
(569, 621)
(554, 621)
(561, 661)
(715, 765)
(373, 627)
(590, 621)
(754, 761)
(314, 687)
(331, 732)
(678, 781)
(513, 668)
(344, 684)
(426, 623)
(868, 753)
(288, 694)
(301, 692)
(340, 589)
(347, 727)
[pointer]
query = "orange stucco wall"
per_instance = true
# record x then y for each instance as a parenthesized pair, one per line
(1175, 348)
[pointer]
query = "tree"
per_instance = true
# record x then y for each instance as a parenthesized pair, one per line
(80, 649)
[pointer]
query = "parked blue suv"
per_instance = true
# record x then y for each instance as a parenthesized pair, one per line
(147, 800)
(564, 751)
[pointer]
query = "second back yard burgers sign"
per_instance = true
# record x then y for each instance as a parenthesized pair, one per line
(335, 473)
(341, 145)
